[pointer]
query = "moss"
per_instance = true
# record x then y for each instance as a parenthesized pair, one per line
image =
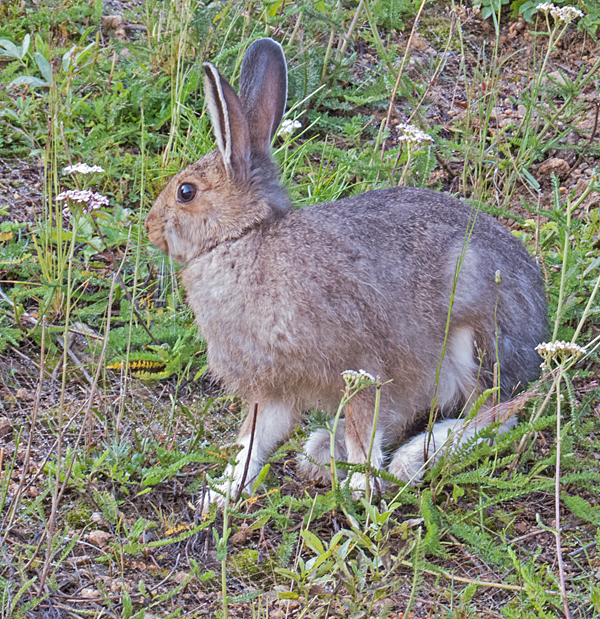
(245, 562)
(79, 516)
(436, 29)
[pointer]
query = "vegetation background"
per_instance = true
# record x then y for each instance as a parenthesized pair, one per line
(110, 427)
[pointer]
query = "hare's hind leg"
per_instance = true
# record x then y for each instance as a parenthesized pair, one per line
(459, 381)
(314, 463)
(359, 415)
(275, 420)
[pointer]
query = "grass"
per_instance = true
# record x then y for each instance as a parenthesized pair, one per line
(115, 428)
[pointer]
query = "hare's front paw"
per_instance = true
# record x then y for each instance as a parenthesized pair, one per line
(408, 464)
(216, 495)
(315, 465)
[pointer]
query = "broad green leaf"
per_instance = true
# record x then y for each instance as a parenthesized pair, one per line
(44, 67)
(10, 49)
(28, 79)
(312, 541)
(66, 59)
(25, 46)
(83, 53)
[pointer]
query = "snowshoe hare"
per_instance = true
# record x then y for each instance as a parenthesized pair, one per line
(289, 299)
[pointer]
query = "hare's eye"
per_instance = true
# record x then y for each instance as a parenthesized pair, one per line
(186, 192)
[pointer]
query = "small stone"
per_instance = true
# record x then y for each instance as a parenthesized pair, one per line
(89, 594)
(99, 538)
(496, 113)
(112, 21)
(554, 165)
(5, 427)
(288, 604)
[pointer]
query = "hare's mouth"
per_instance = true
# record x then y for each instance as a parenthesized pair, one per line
(158, 240)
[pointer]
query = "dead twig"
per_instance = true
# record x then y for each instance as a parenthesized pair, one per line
(561, 565)
(247, 463)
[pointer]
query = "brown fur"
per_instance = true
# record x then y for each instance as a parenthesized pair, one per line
(288, 299)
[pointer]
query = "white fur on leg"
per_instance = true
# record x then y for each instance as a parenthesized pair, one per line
(318, 449)
(274, 423)
(234, 474)
(409, 460)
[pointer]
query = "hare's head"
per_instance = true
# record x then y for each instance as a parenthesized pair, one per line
(234, 188)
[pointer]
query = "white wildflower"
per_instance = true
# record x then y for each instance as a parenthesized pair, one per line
(82, 168)
(545, 7)
(413, 136)
(358, 379)
(566, 13)
(91, 199)
(559, 350)
(288, 127)
(463, 13)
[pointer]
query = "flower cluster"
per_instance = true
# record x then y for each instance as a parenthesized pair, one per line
(87, 197)
(565, 14)
(463, 13)
(82, 168)
(413, 136)
(288, 127)
(358, 379)
(559, 350)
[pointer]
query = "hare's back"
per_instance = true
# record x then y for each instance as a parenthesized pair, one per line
(411, 237)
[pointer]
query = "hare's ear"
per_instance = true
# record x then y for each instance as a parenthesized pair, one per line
(229, 123)
(263, 91)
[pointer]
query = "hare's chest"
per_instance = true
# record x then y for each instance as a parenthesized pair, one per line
(217, 294)
(236, 314)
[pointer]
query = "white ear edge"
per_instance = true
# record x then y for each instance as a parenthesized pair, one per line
(217, 109)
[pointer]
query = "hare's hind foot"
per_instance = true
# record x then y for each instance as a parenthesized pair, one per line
(412, 459)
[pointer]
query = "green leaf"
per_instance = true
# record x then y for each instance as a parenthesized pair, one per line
(10, 49)
(66, 59)
(44, 67)
(28, 79)
(287, 595)
(532, 182)
(83, 53)
(261, 477)
(25, 46)
(127, 605)
(85, 35)
(312, 541)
